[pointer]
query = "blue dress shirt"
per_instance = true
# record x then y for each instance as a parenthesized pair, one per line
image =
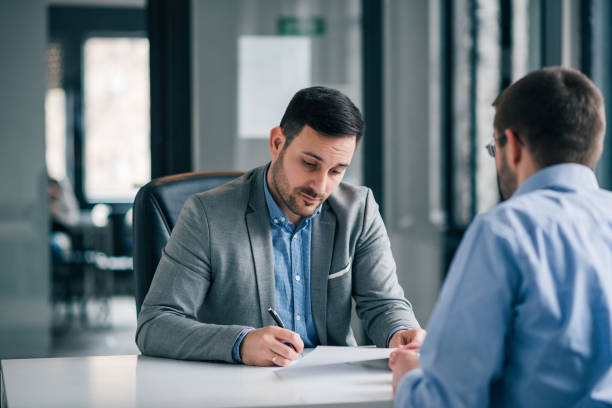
(291, 273)
(525, 316)
(292, 270)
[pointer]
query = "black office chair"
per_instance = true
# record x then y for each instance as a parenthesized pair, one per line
(156, 209)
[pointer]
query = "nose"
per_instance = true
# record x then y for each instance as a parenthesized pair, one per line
(319, 182)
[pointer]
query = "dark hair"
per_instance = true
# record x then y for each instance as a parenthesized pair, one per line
(325, 110)
(558, 112)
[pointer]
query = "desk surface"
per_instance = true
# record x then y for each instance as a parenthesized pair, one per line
(139, 381)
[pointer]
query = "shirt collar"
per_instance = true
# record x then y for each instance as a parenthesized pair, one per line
(276, 214)
(565, 176)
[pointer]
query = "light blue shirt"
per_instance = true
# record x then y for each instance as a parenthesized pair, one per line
(292, 270)
(291, 273)
(525, 316)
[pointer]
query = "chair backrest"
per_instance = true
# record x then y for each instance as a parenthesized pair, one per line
(156, 210)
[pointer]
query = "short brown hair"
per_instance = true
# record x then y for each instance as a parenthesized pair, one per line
(558, 112)
(326, 110)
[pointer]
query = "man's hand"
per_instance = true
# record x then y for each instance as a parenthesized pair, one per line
(410, 339)
(264, 347)
(400, 362)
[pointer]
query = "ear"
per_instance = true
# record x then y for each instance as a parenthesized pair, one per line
(277, 141)
(513, 148)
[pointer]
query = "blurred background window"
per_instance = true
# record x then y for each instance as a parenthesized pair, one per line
(117, 137)
(55, 132)
(97, 144)
(55, 115)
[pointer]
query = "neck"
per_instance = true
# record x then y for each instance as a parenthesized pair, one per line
(526, 169)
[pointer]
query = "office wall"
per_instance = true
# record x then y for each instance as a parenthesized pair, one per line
(216, 29)
(24, 255)
(412, 139)
(215, 89)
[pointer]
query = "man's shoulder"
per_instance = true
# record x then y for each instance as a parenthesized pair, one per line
(231, 195)
(544, 208)
(518, 214)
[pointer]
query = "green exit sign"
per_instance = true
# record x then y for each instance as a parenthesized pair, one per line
(311, 26)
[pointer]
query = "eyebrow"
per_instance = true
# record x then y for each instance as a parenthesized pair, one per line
(314, 156)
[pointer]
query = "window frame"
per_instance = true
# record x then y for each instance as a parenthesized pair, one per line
(70, 27)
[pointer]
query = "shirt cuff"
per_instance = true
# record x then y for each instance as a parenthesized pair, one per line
(396, 329)
(406, 393)
(236, 349)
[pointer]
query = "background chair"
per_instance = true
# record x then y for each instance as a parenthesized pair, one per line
(156, 209)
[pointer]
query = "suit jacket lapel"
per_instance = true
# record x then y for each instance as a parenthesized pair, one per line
(323, 230)
(258, 225)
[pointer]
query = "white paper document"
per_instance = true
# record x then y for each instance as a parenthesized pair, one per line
(325, 355)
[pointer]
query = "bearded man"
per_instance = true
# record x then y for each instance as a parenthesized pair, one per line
(290, 236)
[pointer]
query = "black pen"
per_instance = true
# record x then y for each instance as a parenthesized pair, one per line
(279, 322)
(276, 317)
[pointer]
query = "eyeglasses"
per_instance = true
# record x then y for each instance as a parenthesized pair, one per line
(491, 147)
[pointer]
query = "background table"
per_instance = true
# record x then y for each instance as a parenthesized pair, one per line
(139, 381)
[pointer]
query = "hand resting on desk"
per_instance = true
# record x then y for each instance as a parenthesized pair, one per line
(410, 338)
(264, 347)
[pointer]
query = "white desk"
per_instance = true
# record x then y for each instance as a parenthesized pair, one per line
(138, 381)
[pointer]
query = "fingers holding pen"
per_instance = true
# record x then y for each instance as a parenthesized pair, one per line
(290, 337)
(280, 361)
(287, 346)
(265, 347)
(284, 351)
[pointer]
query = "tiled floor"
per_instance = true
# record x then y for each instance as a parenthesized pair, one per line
(105, 331)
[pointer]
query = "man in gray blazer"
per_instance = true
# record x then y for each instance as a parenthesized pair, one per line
(290, 236)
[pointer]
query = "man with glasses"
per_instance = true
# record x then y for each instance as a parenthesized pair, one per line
(525, 316)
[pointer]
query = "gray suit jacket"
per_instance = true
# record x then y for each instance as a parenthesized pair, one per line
(216, 274)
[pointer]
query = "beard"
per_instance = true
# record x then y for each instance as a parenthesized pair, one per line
(292, 198)
(506, 180)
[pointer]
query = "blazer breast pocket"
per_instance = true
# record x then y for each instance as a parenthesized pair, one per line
(342, 271)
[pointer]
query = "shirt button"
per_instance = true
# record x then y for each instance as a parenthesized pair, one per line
(275, 221)
(283, 219)
(298, 317)
(297, 278)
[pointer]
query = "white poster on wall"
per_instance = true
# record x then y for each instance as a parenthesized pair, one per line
(271, 70)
